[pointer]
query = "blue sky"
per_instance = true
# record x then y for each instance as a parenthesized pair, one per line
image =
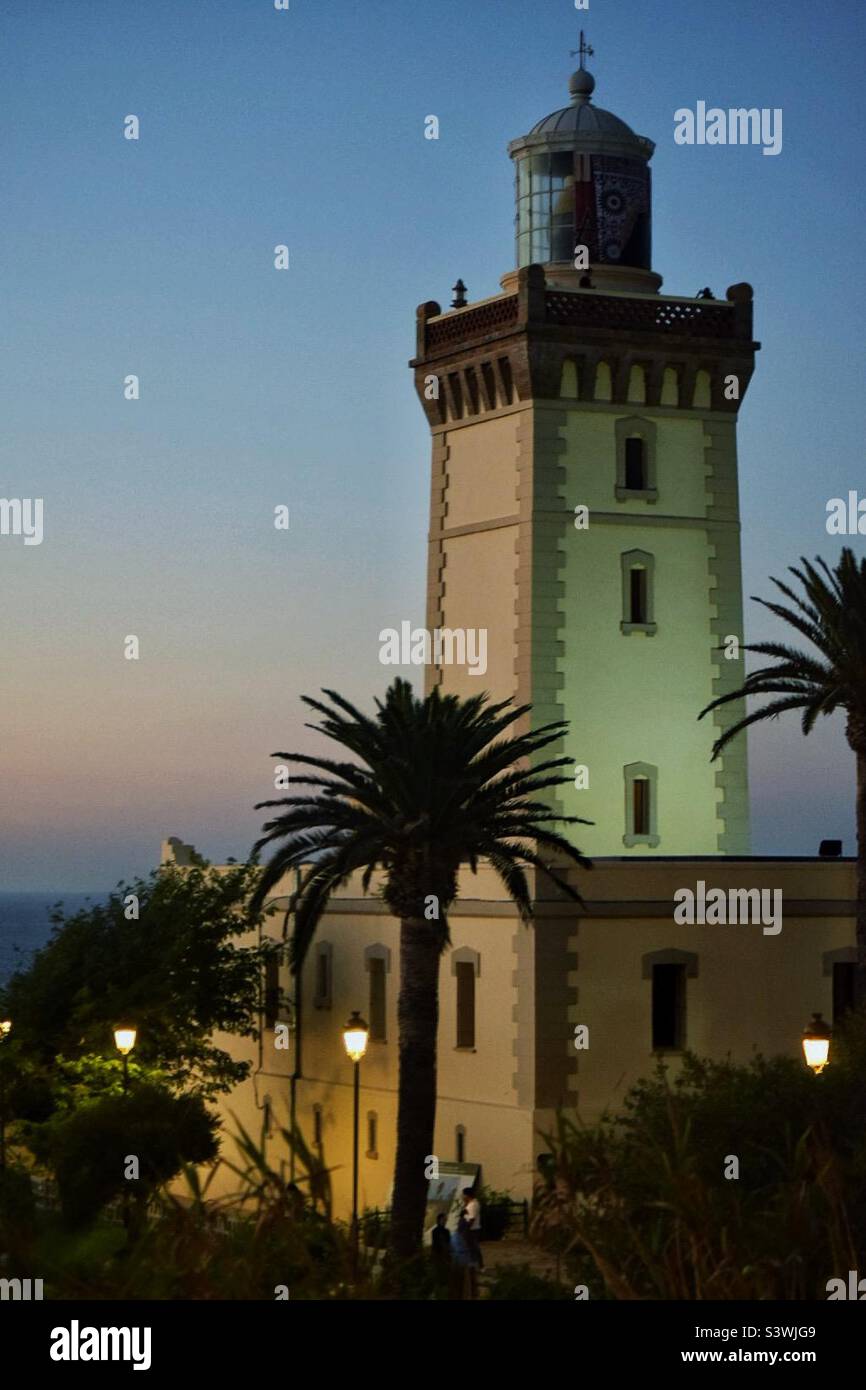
(258, 388)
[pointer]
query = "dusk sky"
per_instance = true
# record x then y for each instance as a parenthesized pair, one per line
(259, 388)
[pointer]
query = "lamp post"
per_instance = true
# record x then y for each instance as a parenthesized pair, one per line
(355, 1035)
(5, 1030)
(124, 1041)
(816, 1044)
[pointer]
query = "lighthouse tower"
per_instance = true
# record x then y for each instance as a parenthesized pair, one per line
(584, 508)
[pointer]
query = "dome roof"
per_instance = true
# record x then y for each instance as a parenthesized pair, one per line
(585, 125)
(583, 119)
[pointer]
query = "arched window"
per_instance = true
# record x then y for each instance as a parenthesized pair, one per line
(568, 379)
(670, 387)
(637, 385)
(703, 391)
(603, 382)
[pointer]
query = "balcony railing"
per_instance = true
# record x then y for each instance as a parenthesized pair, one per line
(673, 318)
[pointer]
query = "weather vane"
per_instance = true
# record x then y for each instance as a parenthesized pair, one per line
(585, 50)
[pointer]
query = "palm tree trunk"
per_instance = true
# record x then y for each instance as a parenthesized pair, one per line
(860, 971)
(418, 1020)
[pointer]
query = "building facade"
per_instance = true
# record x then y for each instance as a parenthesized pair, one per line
(514, 1001)
(584, 514)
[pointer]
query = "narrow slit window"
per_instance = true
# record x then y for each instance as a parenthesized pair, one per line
(460, 1144)
(324, 975)
(377, 999)
(372, 1134)
(669, 1007)
(641, 806)
(635, 465)
(465, 972)
(638, 595)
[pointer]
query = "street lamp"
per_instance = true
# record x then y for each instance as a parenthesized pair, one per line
(355, 1035)
(5, 1027)
(124, 1041)
(816, 1044)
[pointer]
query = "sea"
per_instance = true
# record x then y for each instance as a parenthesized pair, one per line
(25, 923)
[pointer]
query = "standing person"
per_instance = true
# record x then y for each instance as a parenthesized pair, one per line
(440, 1244)
(463, 1267)
(471, 1214)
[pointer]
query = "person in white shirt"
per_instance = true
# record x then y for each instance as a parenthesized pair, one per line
(472, 1216)
(472, 1208)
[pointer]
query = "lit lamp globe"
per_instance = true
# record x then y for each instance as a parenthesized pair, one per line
(816, 1044)
(124, 1039)
(5, 1027)
(355, 1035)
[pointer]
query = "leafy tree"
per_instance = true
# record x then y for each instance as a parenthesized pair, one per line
(831, 615)
(25, 1092)
(88, 1149)
(435, 783)
(177, 972)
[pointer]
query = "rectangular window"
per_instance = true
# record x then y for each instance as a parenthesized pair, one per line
(641, 806)
(640, 791)
(540, 245)
(322, 975)
(637, 596)
(843, 989)
(465, 1004)
(669, 1007)
(317, 1126)
(635, 472)
(372, 1134)
(460, 1137)
(272, 991)
(377, 998)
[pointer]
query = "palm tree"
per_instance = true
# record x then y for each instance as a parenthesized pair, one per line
(832, 616)
(433, 784)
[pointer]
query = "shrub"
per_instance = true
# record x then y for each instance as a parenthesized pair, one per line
(495, 1213)
(640, 1201)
